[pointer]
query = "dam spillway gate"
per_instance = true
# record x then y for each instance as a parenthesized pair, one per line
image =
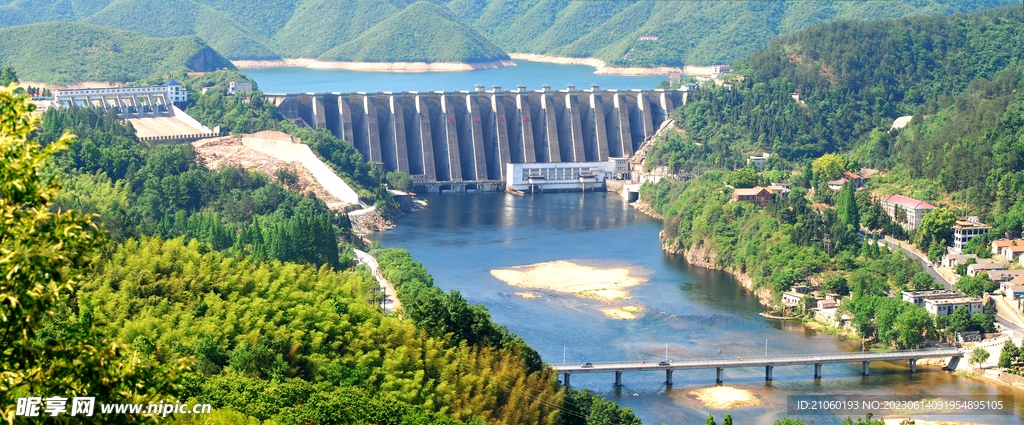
(459, 140)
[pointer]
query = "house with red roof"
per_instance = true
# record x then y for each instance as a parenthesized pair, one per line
(913, 208)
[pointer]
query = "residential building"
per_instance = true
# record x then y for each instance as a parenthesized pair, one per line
(946, 306)
(758, 195)
(998, 245)
(648, 38)
(858, 181)
(1014, 288)
(836, 184)
(239, 86)
(1000, 276)
(826, 304)
(791, 298)
(984, 266)
(820, 208)
(719, 70)
(953, 259)
(965, 229)
(968, 336)
(759, 161)
(675, 78)
(778, 190)
(919, 297)
(801, 289)
(914, 210)
(1013, 252)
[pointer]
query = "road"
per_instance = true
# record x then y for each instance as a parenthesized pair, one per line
(927, 265)
(391, 303)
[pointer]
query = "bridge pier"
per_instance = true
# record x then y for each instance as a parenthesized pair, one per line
(718, 374)
(913, 365)
(768, 373)
(668, 377)
(817, 371)
(618, 378)
(565, 379)
(867, 365)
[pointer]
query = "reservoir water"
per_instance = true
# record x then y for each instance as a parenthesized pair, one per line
(691, 311)
(531, 74)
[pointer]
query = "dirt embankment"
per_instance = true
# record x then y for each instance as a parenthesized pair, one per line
(229, 151)
(368, 220)
(374, 66)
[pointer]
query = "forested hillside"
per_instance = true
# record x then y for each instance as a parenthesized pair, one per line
(63, 52)
(851, 78)
(690, 33)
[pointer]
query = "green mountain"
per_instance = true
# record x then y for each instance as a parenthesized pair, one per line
(173, 18)
(699, 33)
(422, 32)
(59, 52)
(689, 32)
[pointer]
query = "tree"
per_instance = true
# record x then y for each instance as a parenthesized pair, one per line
(1009, 354)
(43, 252)
(979, 356)
(935, 228)
(829, 166)
(975, 286)
(8, 76)
(846, 207)
(399, 180)
(743, 178)
(728, 419)
(710, 420)
(837, 285)
(921, 281)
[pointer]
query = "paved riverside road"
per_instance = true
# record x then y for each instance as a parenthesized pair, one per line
(391, 302)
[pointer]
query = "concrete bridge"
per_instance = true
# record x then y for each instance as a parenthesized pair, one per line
(768, 363)
(465, 140)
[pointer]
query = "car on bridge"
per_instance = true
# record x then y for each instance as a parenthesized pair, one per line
(665, 363)
(587, 364)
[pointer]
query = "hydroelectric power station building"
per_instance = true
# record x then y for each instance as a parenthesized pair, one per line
(465, 140)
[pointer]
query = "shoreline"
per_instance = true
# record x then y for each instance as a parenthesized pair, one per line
(411, 67)
(604, 69)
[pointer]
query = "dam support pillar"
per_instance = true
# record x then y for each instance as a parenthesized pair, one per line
(768, 372)
(575, 128)
(618, 378)
(719, 372)
(477, 135)
(625, 136)
(867, 366)
(525, 127)
(319, 120)
(501, 128)
(668, 377)
(344, 130)
(550, 127)
(451, 139)
(817, 371)
(426, 140)
(372, 129)
(397, 123)
(645, 114)
(600, 129)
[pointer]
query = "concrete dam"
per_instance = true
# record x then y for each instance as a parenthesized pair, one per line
(464, 140)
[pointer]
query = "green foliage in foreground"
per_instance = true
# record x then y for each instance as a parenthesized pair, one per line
(43, 255)
(264, 334)
(447, 313)
(63, 52)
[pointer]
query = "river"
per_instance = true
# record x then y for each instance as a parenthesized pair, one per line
(691, 311)
(531, 74)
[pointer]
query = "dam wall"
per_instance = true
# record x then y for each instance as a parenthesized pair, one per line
(461, 140)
